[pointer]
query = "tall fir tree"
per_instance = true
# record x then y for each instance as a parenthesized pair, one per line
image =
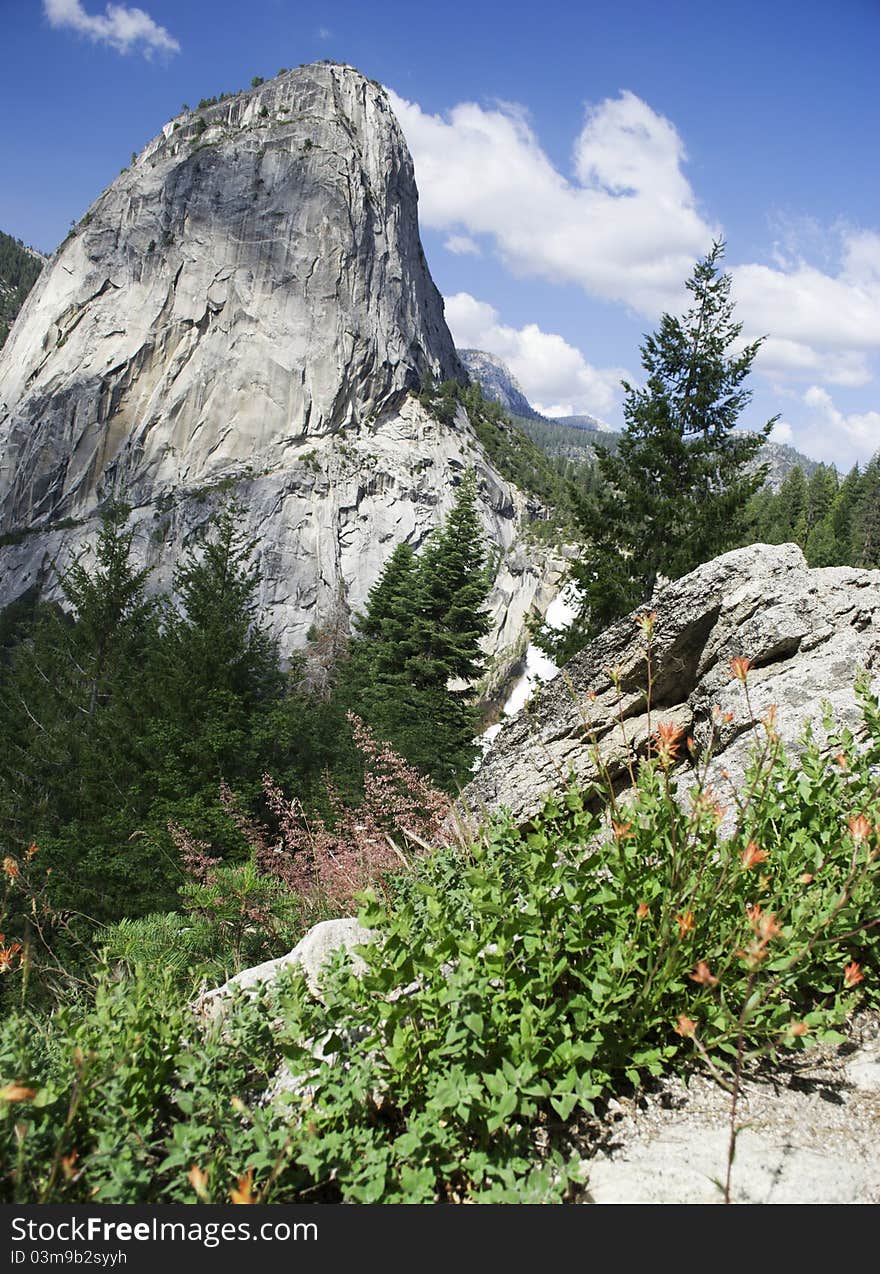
(676, 489)
(217, 679)
(412, 670)
(72, 701)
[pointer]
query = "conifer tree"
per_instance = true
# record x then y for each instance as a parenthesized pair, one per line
(676, 488)
(72, 700)
(217, 679)
(866, 518)
(412, 670)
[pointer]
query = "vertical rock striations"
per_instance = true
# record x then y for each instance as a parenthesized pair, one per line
(248, 308)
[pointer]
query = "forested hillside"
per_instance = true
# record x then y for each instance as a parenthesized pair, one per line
(19, 270)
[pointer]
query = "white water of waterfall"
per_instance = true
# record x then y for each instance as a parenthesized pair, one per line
(538, 667)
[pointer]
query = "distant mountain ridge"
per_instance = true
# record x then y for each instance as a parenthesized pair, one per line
(575, 437)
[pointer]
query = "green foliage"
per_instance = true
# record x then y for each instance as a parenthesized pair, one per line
(511, 987)
(19, 271)
(411, 674)
(835, 523)
(675, 489)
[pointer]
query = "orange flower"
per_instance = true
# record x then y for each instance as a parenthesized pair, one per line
(10, 868)
(667, 740)
(842, 760)
(8, 954)
(198, 1179)
(798, 1028)
(68, 1165)
(30, 851)
(685, 923)
(740, 667)
(752, 855)
(17, 1092)
(642, 910)
(765, 927)
(622, 831)
(859, 828)
(686, 1027)
(852, 974)
(245, 1192)
(806, 878)
(703, 975)
(764, 923)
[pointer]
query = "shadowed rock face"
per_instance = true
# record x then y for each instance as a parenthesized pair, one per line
(807, 633)
(247, 309)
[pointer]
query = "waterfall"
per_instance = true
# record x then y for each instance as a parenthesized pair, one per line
(538, 667)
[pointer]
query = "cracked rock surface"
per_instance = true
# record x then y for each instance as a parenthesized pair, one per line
(807, 633)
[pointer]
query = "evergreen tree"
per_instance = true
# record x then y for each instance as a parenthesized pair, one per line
(842, 516)
(866, 518)
(791, 511)
(821, 490)
(676, 487)
(411, 672)
(72, 699)
(217, 680)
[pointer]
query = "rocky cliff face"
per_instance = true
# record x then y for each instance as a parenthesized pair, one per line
(498, 382)
(247, 308)
(807, 633)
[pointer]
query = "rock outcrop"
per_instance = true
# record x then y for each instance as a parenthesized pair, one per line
(497, 382)
(807, 634)
(247, 308)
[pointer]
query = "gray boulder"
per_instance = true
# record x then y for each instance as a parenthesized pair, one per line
(807, 633)
(311, 953)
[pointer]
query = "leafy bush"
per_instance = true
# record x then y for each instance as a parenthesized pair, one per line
(511, 988)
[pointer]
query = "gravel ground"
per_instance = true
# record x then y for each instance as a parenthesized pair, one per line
(809, 1132)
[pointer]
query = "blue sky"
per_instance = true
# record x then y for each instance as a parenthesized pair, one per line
(573, 162)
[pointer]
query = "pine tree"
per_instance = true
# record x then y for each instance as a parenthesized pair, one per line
(791, 511)
(412, 670)
(72, 700)
(866, 518)
(217, 679)
(676, 488)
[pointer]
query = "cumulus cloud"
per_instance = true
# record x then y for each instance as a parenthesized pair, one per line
(120, 26)
(822, 325)
(625, 227)
(834, 436)
(555, 376)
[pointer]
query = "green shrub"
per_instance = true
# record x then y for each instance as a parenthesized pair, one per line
(513, 986)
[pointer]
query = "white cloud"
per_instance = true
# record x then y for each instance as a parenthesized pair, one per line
(555, 376)
(833, 436)
(626, 228)
(324, 33)
(823, 324)
(795, 360)
(462, 245)
(782, 432)
(120, 26)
